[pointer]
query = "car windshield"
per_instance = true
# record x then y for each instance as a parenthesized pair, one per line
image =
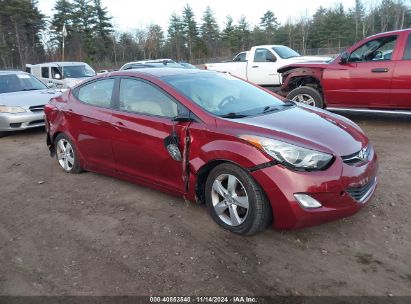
(285, 52)
(19, 82)
(224, 95)
(78, 71)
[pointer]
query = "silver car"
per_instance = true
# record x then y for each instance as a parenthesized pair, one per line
(22, 99)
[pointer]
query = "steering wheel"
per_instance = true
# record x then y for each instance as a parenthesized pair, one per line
(225, 101)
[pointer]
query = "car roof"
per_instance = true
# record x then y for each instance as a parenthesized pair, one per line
(390, 32)
(161, 72)
(59, 63)
(8, 72)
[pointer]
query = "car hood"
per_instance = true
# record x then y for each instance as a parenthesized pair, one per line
(308, 58)
(27, 99)
(311, 128)
(302, 64)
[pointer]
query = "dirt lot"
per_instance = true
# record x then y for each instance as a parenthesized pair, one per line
(63, 234)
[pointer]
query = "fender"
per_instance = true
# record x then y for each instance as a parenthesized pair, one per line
(232, 150)
(288, 76)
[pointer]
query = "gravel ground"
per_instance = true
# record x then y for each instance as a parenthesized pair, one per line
(87, 234)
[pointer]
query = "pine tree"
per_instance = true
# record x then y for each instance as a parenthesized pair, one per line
(210, 33)
(101, 30)
(175, 34)
(229, 36)
(243, 33)
(269, 23)
(190, 30)
(63, 16)
(20, 25)
(84, 20)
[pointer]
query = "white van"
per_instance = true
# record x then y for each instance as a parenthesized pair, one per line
(61, 74)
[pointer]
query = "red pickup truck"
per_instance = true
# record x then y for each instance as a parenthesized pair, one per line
(373, 75)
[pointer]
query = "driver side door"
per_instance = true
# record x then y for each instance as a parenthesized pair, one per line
(263, 69)
(365, 80)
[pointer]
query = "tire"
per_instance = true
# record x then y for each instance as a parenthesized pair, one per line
(66, 155)
(3, 134)
(224, 203)
(307, 95)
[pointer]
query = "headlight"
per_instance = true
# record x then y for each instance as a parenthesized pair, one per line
(290, 155)
(12, 110)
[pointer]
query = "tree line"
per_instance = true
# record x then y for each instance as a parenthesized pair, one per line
(28, 36)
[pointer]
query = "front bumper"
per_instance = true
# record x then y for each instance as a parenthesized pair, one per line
(21, 121)
(333, 188)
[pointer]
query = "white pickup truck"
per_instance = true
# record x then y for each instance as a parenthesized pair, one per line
(260, 64)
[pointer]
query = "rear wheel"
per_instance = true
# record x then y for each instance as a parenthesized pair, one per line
(67, 155)
(235, 201)
(306, 95)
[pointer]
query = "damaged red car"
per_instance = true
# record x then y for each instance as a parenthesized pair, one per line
(253, 158)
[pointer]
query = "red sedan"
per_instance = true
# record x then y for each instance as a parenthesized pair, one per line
(250, 156)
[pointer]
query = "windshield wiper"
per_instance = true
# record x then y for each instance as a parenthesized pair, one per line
(233, 115)
(32, 89)
(269, 109)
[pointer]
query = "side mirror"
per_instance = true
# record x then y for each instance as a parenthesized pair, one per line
(57, 76)
(51, 85)
(344, 58)
(182, 118)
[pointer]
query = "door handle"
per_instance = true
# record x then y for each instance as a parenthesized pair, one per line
(255, 66)
(380, 70)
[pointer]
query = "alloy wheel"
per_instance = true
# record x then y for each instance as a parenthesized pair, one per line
(65, 154)
(230, 199)
(304, 98)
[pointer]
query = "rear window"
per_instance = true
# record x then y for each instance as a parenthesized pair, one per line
(407, 52)
(19, 82)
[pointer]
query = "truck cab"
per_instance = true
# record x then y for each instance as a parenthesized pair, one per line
(372, 75)
(260, 64)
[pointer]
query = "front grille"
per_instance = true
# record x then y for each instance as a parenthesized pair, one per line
(37, 108)
(357, 157)
(360, 194)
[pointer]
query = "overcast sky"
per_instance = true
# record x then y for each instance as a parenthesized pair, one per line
(131, 14)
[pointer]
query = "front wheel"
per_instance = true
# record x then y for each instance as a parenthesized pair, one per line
(235, 201)
(307, 95)
(67, 155)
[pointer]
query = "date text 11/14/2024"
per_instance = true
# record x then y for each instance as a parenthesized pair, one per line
(203, 299)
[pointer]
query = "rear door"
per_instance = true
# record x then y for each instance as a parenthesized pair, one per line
(365, 80)
(141, 123)
(89, 115)
(262, 69)
(401, 82)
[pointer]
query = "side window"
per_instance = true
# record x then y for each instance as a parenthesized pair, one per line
(97, 93)
(240, 57)
(375, 50)
(140, 97)
(264, 55)
(407, 52)
(45, 72)
(55, 73)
